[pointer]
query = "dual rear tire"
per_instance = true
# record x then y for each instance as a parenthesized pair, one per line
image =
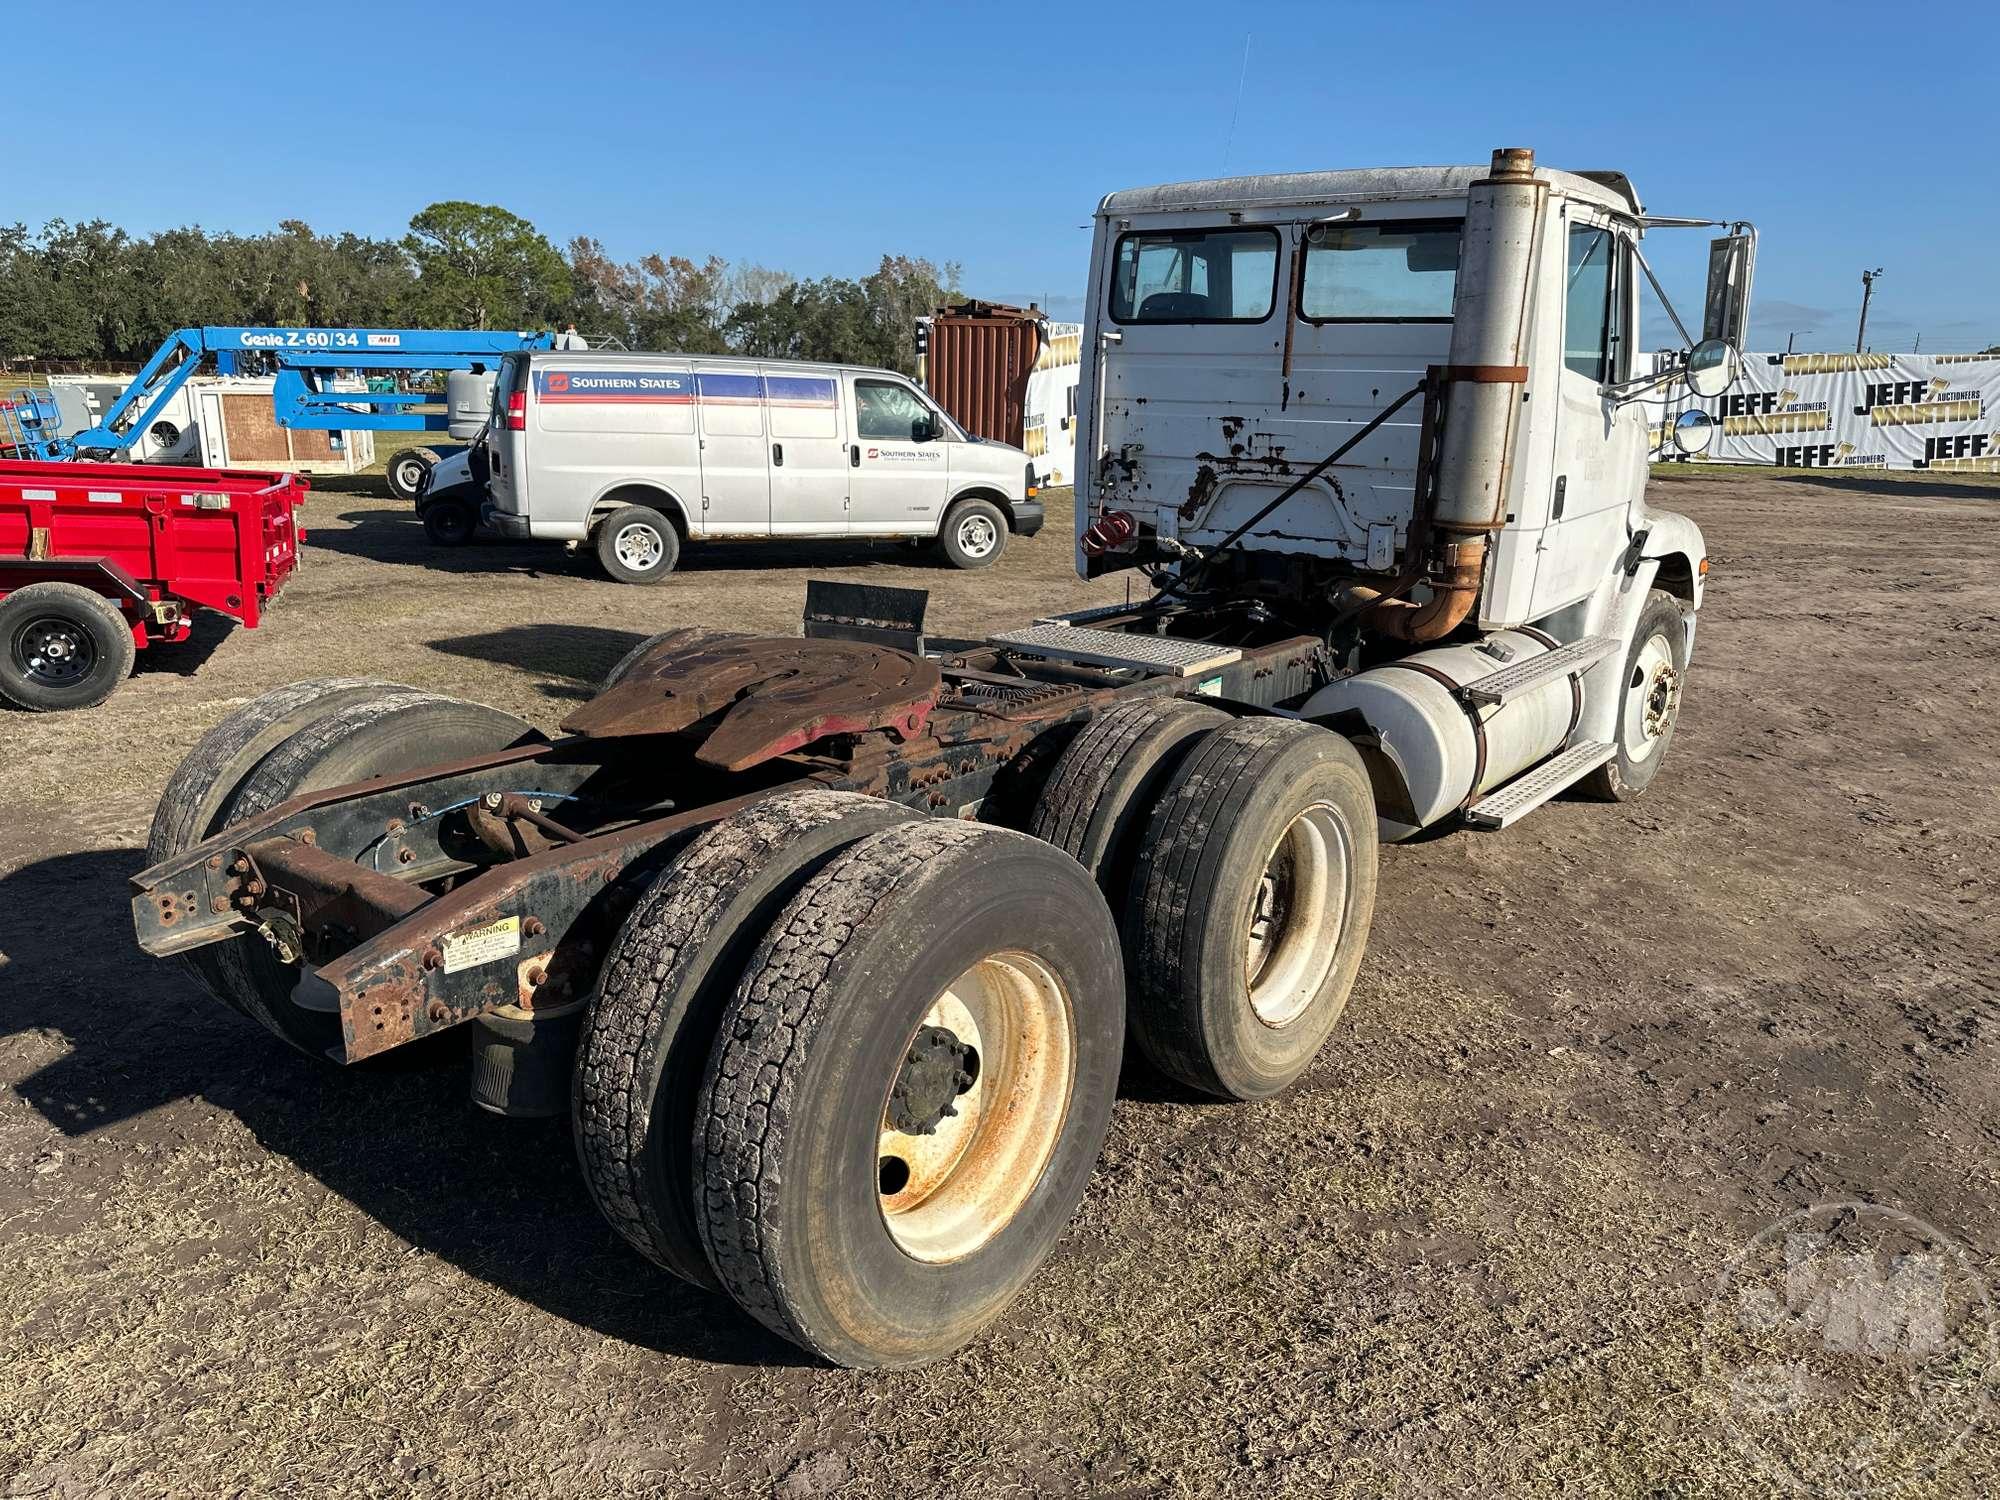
(303, 738)
(909, 1033)
(1241, 856)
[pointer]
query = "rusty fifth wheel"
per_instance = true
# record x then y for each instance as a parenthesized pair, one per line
(1249, 909)
(653, 1020)
(910, 1087)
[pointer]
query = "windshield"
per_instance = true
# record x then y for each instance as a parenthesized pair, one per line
(1380, 273)
(1195, 276)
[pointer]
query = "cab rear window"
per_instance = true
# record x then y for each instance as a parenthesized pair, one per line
(1380, 273)
(1224, 275)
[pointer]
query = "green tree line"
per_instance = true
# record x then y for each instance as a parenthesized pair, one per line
(92, 291)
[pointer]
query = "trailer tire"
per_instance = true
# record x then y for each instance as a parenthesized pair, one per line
(1105, 784)
(653, 1017)
(685, 636)
(1649, 702)
(930, 968)
(373, 735)
(974, 534)
(637, 545)
(408, 469)
(62, 646)
(1249, 907)
(449, 521)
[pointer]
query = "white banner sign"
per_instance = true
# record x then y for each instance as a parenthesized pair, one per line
(1937, 412)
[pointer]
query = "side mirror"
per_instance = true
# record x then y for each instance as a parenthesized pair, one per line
(1712, 367)
(1693, 432)
(921, 430)
(1725, 312)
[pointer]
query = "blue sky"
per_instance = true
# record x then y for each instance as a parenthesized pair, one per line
(816, 137)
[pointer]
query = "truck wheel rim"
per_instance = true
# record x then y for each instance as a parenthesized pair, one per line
(55, 653)
(1297, 915)
(956, 1159)
(410, 475)
(977, 536)
(638, 547)
(1652, 698)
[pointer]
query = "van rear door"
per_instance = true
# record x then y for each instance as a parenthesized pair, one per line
(506, 437)
(735, 462)
(809, 464)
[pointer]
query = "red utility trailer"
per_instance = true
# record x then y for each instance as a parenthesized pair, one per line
(98, 560)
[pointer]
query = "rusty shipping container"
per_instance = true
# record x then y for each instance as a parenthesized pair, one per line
(978, 363)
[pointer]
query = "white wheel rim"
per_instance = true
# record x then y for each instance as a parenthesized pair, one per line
(638, 547)
(1298, 912)
(412, 474)
(977, 535)
(1652, 698)
(946, 1193)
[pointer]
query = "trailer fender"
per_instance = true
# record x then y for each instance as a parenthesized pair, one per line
(100, 575)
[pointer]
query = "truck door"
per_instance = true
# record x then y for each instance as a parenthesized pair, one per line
(896, 484)
(1600, 449)
(809, 462)
(735, 462)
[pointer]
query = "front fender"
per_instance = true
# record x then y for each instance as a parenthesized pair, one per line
(1676, 545)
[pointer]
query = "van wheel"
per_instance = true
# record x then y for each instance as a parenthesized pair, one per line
(1250, 905)
(449, 522)
(637, 545)
(1649, 703)
(62, 646)
(407, 469)
(974, 534)
(910, 1088)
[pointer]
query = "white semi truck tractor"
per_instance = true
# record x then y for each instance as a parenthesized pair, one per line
(830, 945)
(1509, 616)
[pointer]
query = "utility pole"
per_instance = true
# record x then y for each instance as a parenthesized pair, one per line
(1790, 339)
(1867, 291)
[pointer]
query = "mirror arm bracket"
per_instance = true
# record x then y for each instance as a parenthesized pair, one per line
(1621, 391)
(1661, 292)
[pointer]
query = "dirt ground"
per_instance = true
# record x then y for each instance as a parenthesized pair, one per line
(1587, 1061)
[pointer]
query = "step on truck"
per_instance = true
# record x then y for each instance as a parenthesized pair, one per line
(829, 945)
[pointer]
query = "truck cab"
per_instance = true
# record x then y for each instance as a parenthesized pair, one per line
(1464, 337)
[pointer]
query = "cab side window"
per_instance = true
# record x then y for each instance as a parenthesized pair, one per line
(886, 412)
(1594, 312)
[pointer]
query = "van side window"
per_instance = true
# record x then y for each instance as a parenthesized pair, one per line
(886, 411)
(803, 406)
(1592, 315)
(1195, 276)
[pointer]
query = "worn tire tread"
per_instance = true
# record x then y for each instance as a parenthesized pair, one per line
(754, 1072)
(612, 1093)
(1163, 945)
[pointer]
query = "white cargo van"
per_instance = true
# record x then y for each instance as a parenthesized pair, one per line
(639, 453)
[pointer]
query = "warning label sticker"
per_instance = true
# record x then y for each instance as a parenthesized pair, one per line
(482, 945)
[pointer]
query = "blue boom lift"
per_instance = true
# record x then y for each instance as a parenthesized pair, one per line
(304, 362)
